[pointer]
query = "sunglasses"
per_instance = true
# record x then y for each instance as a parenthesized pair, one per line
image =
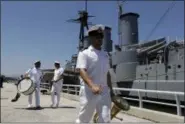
(98, 36)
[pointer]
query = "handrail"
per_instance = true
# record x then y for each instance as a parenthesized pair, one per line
(149, 91)
(131, 89)
(176, 95)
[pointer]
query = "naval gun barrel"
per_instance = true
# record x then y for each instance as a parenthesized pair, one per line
(147, 44)
(146, 50)
(155, 50)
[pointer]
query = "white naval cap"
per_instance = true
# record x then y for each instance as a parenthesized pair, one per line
(38, 61)
(98, 27)
(57, 62)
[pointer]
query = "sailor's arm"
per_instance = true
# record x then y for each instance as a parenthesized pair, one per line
(96, 89)
(61, 75)
(82, 66)
(85, 77)
(27, 74)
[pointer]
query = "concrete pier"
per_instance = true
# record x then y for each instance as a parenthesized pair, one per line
(67, 112)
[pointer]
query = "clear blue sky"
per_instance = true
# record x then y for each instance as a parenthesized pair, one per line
(37, 30)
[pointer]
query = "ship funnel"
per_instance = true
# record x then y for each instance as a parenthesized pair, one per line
(129, 29)
(107, 42)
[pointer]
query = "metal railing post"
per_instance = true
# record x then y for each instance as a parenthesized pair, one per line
(68, 89)
(140, 100)
(178, 105)
(76, 90)
(62, 89)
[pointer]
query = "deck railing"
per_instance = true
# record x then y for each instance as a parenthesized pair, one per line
(75, 89)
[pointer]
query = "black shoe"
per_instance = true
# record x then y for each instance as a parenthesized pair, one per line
(38, 108)
(16, 97)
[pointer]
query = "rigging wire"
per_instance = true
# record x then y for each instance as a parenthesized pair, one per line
(161, 18)
(86, 5)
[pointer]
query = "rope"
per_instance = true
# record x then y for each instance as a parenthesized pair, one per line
(161, 18)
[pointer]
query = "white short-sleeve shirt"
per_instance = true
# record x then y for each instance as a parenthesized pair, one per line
(96, 63)
(58, 73)
(35, 74)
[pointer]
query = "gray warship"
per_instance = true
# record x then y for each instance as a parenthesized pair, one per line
(153, 65)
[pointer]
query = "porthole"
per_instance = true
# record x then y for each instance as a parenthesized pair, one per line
(169, 67)
(179, 66)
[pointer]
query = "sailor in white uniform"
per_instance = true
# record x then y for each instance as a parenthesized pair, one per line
(36, 75)
(57, 84)
(93, 64)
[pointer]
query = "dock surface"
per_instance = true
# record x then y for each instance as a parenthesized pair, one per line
(67, 111)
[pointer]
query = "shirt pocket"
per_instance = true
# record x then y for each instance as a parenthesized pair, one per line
(92, 57)
(93, 61)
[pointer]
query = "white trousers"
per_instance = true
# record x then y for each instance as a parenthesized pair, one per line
(56, 88)
(37, 96)
(89, 102)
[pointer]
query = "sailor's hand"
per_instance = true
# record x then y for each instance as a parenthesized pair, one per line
(53, 81)
(26, 77)
(96, 89)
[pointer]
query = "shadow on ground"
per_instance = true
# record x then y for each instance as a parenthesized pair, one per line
(30, 108)
(68, 107)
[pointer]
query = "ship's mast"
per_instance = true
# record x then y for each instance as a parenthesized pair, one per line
(120, 12)
(83, 20)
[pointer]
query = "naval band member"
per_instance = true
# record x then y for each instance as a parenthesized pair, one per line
(93, 64)
(35, 75)
(56, 84)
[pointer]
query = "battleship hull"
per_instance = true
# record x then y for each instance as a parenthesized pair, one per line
(151, 68)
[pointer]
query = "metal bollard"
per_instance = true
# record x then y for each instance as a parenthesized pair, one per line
(179, 112)
(140, 100)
